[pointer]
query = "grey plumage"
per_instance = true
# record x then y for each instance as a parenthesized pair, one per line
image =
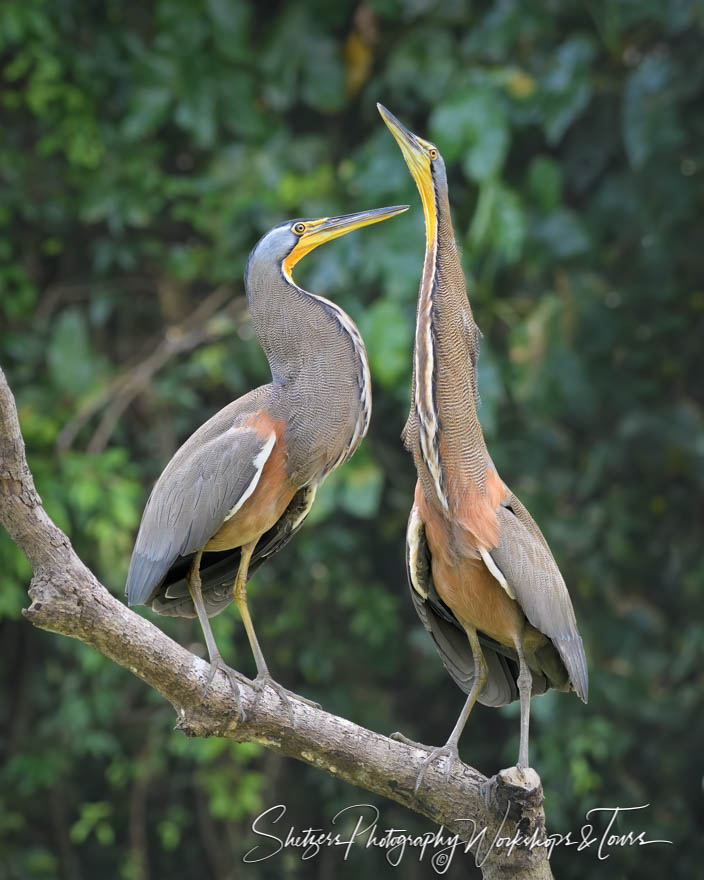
(314, 412)
(173, 599)
(199, 486)
(491, 571)
(522, 554)
(525, 560)
(316, 369)
(318, 364)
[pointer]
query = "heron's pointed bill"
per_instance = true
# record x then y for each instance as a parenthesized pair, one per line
(416, 153)
(317, 232)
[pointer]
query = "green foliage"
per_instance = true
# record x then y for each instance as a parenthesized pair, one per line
(473, 127)
(144, 149)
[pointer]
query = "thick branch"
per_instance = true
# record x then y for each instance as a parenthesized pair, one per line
(68, 599)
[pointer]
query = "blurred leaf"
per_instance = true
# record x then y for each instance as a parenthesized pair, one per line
(563, 233)
(499, 222)
(545, 182)
(231, 23)
(650, 121)
(195, 111)
(323, 85)
(70, 358)
(91, 821)
(388, 336)
(475, 126)
(362, 482)
(566, 88)
(150, 107)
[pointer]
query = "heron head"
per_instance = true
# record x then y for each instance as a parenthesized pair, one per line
(424, 162)
(305, 235)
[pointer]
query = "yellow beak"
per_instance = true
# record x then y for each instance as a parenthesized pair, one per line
(327, 228)
(418, 161)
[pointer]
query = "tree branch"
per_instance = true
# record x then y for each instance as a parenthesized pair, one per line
(68, 599)
(119, 393)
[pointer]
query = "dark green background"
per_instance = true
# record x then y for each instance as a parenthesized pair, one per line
(144, 148)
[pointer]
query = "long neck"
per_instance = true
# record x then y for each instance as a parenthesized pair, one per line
(321, 384)
(450, 450)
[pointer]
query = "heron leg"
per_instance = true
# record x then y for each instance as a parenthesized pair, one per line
(525, 684)
(195, 588)
(239, 591)
(264, 677)
(449, 750)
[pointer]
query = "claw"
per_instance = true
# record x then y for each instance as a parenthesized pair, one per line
(449, 750)
(485, 789)
(219, 664)
(284, 695)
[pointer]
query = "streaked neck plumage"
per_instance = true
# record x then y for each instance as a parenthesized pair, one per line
(320, 373)
(449, 448)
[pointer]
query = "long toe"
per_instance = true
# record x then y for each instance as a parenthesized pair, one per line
(284, 695)
(449, 752)
(218, 664)
(485, 790)
(402, 738)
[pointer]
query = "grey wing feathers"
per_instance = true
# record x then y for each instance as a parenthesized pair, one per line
(450, 639)
(216, 468)
(218, 570)
(524, 558)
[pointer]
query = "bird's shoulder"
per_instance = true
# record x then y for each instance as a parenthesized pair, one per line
(249, 414)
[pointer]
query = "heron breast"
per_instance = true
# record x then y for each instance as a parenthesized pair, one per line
(267, 503)
(465, 584)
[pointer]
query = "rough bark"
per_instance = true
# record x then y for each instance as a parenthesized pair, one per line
(68, 599)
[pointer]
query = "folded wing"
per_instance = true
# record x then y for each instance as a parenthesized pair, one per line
(525, 560)
(218, 569)
(205, 483)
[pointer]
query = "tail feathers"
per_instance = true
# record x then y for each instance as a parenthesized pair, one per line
(145, 576)
(501, 687)
(571, 651)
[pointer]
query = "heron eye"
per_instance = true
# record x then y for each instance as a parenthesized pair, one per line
(433, 153)
(299, 228)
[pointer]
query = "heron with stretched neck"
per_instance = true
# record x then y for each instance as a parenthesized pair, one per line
(241, 486)
(482, 577)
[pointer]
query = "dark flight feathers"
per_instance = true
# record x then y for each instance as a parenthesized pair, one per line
(218, 569)
(527, 564)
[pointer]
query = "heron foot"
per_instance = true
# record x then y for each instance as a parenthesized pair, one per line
(285, 695)
(449, 751)
(217, 663)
